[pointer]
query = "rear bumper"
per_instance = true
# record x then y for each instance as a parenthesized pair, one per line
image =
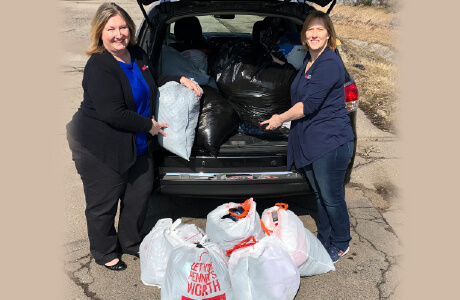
(222, 186)
(218, 188)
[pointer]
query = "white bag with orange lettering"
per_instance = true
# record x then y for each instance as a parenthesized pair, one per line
(197, 272)
(263, 270)
(231, 223)
(307, 251)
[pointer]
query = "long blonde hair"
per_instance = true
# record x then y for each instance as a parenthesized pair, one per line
(332, 42)
(103, 14)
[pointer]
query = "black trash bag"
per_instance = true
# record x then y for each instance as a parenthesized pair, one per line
(271, 30)
(217, 121)
(255, 85)
(244, 51)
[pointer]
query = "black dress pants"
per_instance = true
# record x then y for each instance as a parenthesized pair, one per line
(103, 188)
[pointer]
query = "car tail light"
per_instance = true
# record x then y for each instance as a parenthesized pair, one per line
(351, 97)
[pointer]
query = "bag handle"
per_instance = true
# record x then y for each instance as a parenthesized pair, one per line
(175, 224)
(264, 228)
(172, 232)
(282, 206)
(203, 240)
(244, 243)
(246, 205)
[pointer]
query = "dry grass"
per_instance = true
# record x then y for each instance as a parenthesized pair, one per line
(364, 14)
(368, 33)
(377, 84)
(370, 24)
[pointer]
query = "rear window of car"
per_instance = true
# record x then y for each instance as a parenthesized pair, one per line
(240, 24)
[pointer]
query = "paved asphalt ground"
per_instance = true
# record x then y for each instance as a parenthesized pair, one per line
(371, 270)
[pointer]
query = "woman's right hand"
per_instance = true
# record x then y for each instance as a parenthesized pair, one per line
(272, 123)
(157, 128)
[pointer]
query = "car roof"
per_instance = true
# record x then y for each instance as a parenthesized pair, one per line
(171, 10)
(157, 2)
(180, 8)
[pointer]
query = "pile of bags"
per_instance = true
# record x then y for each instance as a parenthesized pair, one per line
(249, 87)
(241, 255)
(255, 85)
(205, 122)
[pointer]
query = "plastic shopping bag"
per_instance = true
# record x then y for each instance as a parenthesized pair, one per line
(307, 251)
(263, 270)
(283, 223)
(197, 271)
(179, 107)
(231, 223)
(158, 244)
(319, 261)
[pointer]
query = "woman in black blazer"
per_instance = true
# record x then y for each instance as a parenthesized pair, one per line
(113, 133)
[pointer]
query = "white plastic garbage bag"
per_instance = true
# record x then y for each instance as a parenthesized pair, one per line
(307, 251)
(283, 223)
(263, 270)
(197, 271)
(319, 261)
(227, 228)
(179, 107)
(156, 247)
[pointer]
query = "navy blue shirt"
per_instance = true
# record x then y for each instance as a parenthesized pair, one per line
(326, 124)
(141, 95)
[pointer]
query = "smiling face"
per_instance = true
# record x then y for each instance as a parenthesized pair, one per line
(115, 35)
(316, 35)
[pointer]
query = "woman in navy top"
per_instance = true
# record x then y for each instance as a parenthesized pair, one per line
(113, 133)
(321, 137)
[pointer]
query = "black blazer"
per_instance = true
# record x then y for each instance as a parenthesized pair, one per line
(106, 122)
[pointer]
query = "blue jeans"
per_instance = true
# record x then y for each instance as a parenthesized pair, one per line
(326, 176)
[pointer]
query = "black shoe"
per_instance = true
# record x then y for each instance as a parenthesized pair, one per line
(119, 266)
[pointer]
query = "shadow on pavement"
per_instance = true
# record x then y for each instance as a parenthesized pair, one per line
(163, 206)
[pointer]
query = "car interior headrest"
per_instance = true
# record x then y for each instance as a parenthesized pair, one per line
(188, 30)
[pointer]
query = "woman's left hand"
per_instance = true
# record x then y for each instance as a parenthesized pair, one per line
(273, 123)
(191, 85)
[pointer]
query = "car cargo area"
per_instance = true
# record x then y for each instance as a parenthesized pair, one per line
(244, 55)
(242, 81)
